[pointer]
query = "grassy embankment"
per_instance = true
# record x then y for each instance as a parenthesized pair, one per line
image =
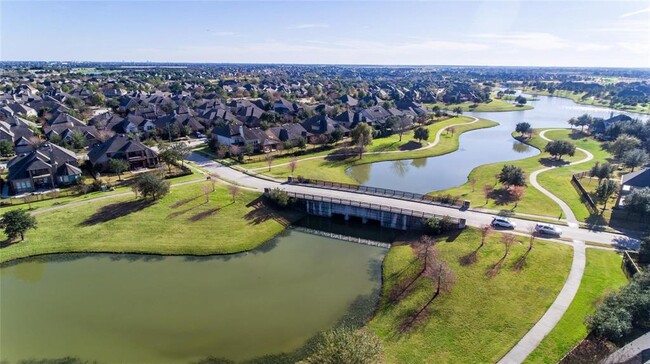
(180, 223)
(603, 274)
(495, 105)
(557, 180)
(481, 318)
(391, 148)
(578, 98)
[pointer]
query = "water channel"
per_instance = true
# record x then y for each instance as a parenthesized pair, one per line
(477, 148)
(143, 308)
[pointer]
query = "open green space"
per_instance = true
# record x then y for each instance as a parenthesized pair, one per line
(603, 274)
(558, 180)
(481, 319)
(180, 223)
(495, 105)
(334, 169)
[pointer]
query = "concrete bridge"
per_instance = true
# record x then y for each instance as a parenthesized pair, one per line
(387, 216)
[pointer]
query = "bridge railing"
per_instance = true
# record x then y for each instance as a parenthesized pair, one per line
(378, 191)
(372, 206)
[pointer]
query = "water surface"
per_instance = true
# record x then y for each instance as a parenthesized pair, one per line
(142, 308)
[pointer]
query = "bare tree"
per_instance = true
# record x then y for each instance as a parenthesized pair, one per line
(213, 177)
(517, 193)
(487, 191)
(269, 161)
(293, 163)
(508, 240)
(206, 192)
(486, 230)
(234, 191)
(473, 183)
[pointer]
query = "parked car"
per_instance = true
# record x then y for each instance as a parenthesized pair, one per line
(548, 229)
(503, 222)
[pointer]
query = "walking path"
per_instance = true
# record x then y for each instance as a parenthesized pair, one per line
(543, 327)
(570, 217)
(430, 145)
(531, 340)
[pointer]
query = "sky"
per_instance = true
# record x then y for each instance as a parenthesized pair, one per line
(493, 33)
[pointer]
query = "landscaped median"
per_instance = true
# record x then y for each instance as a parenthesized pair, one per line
(325, 167)
(180, 223)
(481, 318)
(603, 274)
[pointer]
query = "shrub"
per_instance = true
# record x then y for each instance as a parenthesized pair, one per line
(151, 185)
(280, 198)
(436, 226)
(345, 345)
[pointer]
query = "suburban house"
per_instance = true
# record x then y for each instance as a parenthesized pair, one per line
(17, 109)
(242, 135)
(322, 124)
(600, 127)
(290, 132)
(374, 115)
(120, 146)
(632, 181)
(47, 167)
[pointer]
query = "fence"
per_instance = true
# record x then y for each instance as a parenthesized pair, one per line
(377, 207)
(342, 237)
(586, 197)
(629, 265)
(383, 192)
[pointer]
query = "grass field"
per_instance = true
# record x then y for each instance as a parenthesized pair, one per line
(334, 170)
(180, 223)
(557, 181)
(481, 318)
(603, 274)
(495, 105)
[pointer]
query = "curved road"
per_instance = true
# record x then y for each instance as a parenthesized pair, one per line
(430, 145)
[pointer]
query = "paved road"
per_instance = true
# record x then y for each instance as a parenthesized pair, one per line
(474, 218)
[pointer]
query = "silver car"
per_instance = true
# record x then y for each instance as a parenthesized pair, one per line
(503, 222)
(548, 229)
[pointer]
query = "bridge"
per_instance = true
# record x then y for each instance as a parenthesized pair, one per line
(387, 216)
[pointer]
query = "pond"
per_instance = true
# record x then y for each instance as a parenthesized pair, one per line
(477, 148)
(144, 308)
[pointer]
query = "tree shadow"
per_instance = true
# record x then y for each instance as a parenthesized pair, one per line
(183, 202)
(203, 214)
(262, 212)
(7, 242)
(115, 211)
(553, 162)
(501, 196)
(520, 263)
(342, 154)
(410, 145)
(596, 222)
(181, 212)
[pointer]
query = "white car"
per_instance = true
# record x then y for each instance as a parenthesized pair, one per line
(548, 229)
(503, 222)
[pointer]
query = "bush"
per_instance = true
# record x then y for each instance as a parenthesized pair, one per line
(151, 185)
(436, 226)
(280, 198)
(345, 345)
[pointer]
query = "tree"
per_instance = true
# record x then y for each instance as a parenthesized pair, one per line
(558, 148)
(117, 166)
(336, 135)
(486, 230)
(6, 148)
(624, 143)
(152, 185)
(301, 143)
(458, 110)
(234, 191)
(206, 192)
(421, 134)
(606, 188)
(523, 128)
(512, 176)
(487, 191)
(521, 100)
(644, 250)
(17, 222)
(601, 171)
(583, 120)
(169, 155)
(400, 125)
(517, 193)
(182, 151)
(293, 163)
(346, 345)
(279, 198)
(77, 140)
(508, 241)
(635, 158)
(269, 161)
(638, 201)
(361, 131)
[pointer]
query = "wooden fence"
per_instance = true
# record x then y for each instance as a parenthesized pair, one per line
(586, 197)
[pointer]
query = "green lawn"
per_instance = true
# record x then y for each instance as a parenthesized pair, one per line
(495, 105)
(481, 319)
(603, 274)
(558, 181)
(334, 170)
(180, 223)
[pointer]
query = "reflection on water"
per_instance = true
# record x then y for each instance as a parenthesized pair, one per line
(400, 167)
(142, 308)
(520, 147)
(477, 148)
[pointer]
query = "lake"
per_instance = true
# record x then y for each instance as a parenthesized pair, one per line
(476, 148)
(145, 308)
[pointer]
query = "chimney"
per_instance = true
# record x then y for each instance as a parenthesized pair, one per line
(241, 131)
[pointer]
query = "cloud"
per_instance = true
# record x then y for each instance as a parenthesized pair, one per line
(532, 40)
(633, 13)
(636, 47)
(308, 26)
(586, 47)
(224, 34)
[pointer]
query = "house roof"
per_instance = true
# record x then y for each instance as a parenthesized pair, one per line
(639, 179)
(117, 144)
(46, 156)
